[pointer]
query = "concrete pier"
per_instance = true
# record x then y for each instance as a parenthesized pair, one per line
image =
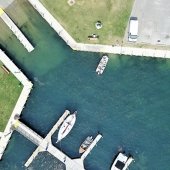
(16, 31)
(119, 49)
(5, 136)
(27, 132)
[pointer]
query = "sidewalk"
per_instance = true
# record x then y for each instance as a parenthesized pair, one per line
(16, 31)
(5, 136)
(94, 47)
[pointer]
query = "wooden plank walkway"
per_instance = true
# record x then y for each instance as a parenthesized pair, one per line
(20, 36)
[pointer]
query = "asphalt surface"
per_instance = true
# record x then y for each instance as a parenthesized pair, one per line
(154, 21)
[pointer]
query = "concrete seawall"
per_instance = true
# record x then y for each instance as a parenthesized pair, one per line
(27, 86)
(20, 36)
(94, 47)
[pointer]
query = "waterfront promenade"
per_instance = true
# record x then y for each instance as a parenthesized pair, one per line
(20, 36)
(27, 86)
(118, 49)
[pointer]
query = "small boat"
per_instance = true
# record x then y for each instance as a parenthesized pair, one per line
(86, 144)
(121, 162)
(66, 126)
(102, 64)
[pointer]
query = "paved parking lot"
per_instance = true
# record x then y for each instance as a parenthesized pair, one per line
(154, 21)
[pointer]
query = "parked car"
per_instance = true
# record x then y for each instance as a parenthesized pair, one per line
(133, 29)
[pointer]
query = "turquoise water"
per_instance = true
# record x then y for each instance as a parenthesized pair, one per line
(129, 104)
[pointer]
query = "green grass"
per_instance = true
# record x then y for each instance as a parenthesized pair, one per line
(79, 19)
(10, 90)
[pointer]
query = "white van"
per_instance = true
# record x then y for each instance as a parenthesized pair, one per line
(133, 29)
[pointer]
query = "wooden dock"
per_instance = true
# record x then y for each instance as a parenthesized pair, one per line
(20, 36)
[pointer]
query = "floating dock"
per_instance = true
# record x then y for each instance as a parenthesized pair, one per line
(93, 144)
(27, 86)
(16, 31)
(115, 49)
(27, 132)
(46, 144)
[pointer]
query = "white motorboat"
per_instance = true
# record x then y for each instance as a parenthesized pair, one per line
(86, 144)
(66, 126)
(102, 64)
(121, 162)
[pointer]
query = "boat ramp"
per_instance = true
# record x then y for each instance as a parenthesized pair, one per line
(16, 31)
(45, 144)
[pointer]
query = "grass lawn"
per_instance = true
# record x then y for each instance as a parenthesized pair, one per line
(10, 90)
(79, 20)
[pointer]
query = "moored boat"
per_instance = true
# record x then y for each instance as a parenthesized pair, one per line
(102, 64)
(121, 162)
(66, 126)
(87, 142)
